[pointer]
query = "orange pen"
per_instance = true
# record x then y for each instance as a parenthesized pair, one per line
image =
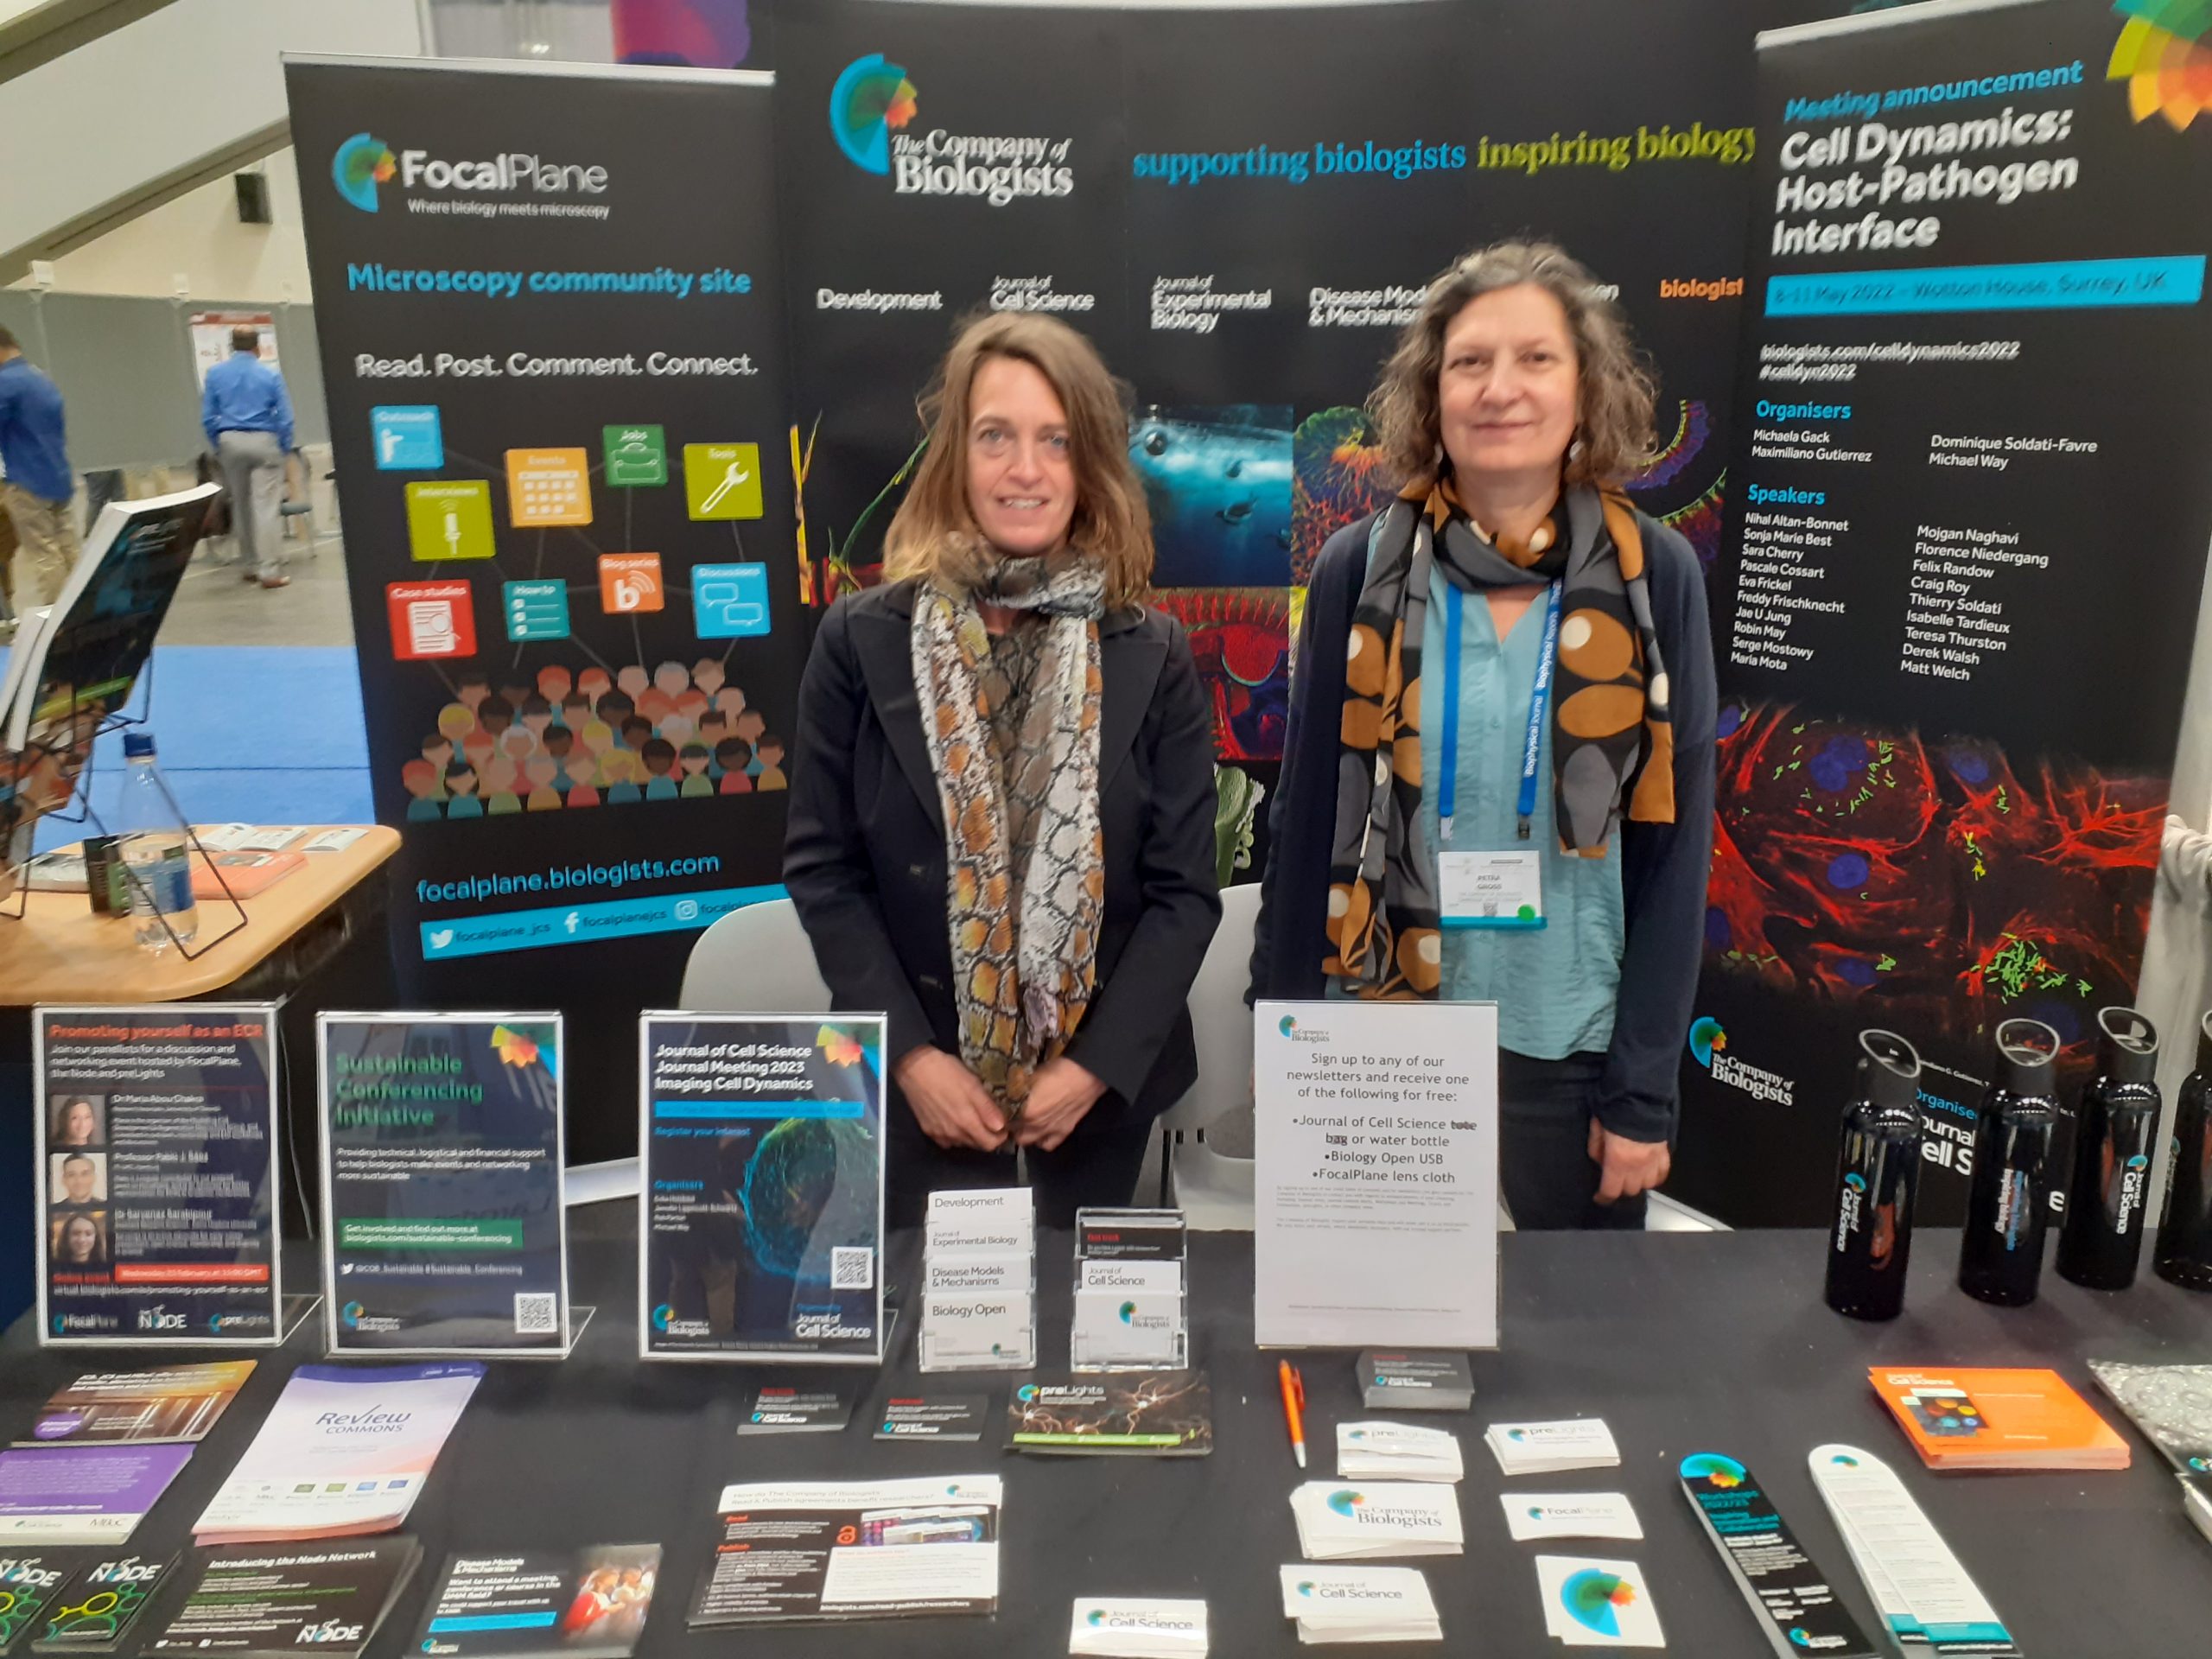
(1294, 1408)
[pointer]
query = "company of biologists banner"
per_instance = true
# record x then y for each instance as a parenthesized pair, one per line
(1242, 206)
(550, 319)
(1956, 606)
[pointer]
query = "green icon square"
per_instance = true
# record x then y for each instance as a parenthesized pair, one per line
(722, 481)
(450, 519)
(635, 455)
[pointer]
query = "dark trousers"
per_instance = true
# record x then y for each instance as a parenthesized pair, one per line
(1543, 1144)
(1095, 1167)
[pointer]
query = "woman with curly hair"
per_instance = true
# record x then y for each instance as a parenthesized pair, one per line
(1498, 777)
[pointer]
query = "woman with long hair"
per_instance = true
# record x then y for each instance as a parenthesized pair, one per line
(1001, 815)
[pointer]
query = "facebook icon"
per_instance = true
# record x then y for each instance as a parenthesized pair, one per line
(730, 600)
(406, 437)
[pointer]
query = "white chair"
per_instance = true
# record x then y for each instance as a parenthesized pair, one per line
(1215, 1190)
(756, 960)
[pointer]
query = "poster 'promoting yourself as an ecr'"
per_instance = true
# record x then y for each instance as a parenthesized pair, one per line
(761, 1219)
(156, 1173)
(442, 1147)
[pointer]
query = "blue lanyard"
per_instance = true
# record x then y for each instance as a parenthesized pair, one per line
(1539, 701)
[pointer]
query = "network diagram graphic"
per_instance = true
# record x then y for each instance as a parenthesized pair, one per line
(601, 729)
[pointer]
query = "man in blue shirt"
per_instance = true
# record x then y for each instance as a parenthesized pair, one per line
(39, 488)
(248, 419)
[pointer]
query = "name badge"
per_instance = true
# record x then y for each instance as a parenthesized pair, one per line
(1490, 889)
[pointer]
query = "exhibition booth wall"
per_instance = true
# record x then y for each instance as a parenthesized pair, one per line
(1920, 294)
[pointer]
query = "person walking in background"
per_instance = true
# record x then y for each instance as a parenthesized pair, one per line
(247, 416)
(39, 491)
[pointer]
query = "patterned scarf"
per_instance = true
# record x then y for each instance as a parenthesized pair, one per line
(1609, 714)
(1025, 936)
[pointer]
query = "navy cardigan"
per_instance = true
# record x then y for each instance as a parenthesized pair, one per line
(1664, 865)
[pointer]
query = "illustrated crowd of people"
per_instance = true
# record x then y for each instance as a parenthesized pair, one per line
(591, 739)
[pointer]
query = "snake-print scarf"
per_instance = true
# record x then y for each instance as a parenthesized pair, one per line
(1024, 931)
(1611, 736)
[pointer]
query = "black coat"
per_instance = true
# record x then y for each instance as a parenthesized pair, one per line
(864, 852)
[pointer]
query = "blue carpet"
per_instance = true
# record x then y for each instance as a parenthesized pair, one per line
(253, 733)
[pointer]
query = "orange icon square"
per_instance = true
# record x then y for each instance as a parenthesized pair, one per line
(629, 583)
(548, 487)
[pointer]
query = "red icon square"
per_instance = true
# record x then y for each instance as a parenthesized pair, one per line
(431, 618)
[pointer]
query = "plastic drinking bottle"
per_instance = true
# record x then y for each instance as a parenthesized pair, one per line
(2184, 1252)
(2115, 1134)
(2000, 1259)
(1878, 1180)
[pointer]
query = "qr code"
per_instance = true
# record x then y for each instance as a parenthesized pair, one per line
(537, 1314)
(851, 1268)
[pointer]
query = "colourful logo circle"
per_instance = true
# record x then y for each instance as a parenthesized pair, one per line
(362, 163)
(1594, 1599)
(661, 1315)
(1026, 1393)
(350, 1314)
(1711, 1466)
(1855, 1181)
(872, 99)
(2164, 54)
(1346, 1502)
(1706, 1039)
(1128, 1313)
(1289, 1025)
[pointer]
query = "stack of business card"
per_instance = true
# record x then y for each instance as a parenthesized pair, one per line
(1569, 1515)
(1360, 1603)
(1128, 1313)
(2196, 1502)
(1397, 1379)
(1592, 1604)
(979, 1281)
(1340, 1521)
(1128, 1628)
(1552, 1448)
(1394, 1452)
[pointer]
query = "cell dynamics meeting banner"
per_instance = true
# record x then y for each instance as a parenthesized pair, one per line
(1957, 601)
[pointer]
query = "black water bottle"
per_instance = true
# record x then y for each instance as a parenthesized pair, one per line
(2183, 1256)
(1878, 1180)
(2008, 1207)
(2115, 1134)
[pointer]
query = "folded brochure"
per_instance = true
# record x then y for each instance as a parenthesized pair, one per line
(83, 1494)
(276, 1602)
(852, 1549)
(1162, 1414)
(2003, 1418)
(175, 1403)
(345, 1450)
(577, 1604)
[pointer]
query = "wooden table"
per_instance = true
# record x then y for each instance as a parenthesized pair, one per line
(62, 952)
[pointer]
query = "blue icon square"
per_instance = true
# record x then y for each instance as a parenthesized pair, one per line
(406, 437)
(730, 600)
(535, 610)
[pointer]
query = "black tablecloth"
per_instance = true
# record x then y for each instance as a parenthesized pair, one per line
(1682, 1342)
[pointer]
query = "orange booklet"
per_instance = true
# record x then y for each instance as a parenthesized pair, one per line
(1998, 1419)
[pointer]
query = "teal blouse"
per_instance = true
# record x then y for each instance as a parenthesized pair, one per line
(1554, 986)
